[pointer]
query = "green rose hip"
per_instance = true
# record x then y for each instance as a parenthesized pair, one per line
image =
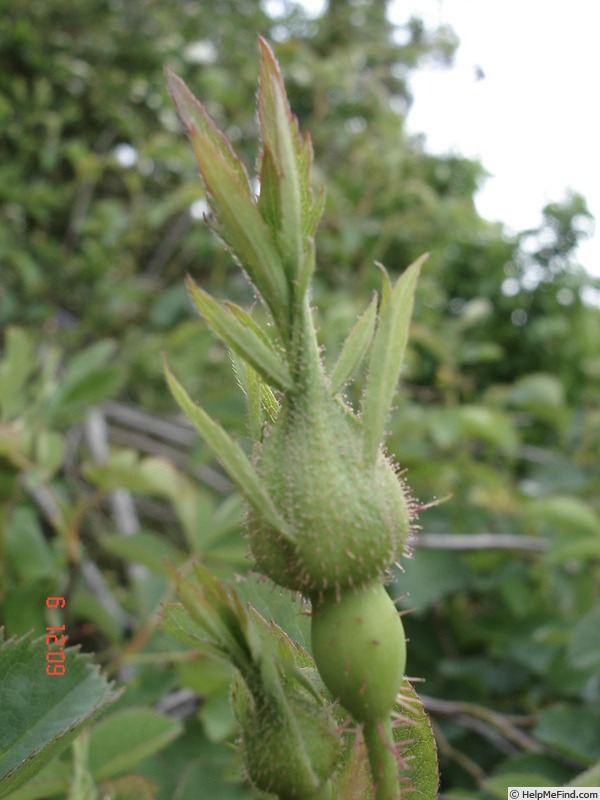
(360, 651)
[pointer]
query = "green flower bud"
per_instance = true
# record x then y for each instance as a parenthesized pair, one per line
(360, 650)
(290, 746)
(348, 520)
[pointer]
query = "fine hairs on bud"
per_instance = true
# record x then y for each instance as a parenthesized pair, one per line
(349, 521)
(290, 744)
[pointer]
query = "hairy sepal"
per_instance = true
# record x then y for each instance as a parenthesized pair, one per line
(231, 456)
(355, 348)
(238, 220)
(387, 354)
(286, 199)
(240, 335)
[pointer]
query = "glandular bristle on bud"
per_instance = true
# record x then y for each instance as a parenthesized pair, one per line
(348, 521)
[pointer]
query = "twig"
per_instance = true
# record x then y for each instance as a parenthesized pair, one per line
(446, 750)
(505, 724)
(170, 242)
(172, 438)
(150, 433)
(478, 541)
(95, 580)
(48, 506)
(84, 195)
(145, 444)
(122, 505)
(179, 704)
(176, 432)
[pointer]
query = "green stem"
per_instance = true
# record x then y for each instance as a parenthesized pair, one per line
(379, 740)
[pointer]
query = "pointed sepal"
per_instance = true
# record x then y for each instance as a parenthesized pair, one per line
(355, 348)
(286, 201)
(241, 336)
(387, 354)
(261, 403)
(231, 456)
(238, 221)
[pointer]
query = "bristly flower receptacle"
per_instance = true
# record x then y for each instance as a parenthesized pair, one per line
(348, 519)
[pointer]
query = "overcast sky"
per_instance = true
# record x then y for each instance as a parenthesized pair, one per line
(533, 118)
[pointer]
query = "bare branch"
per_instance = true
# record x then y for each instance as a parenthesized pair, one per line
(478, 541)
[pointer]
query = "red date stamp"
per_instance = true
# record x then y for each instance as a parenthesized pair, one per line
(55, 641)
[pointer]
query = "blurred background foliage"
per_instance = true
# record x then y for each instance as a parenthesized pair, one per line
(499, 407)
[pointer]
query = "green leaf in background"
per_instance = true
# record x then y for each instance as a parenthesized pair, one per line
(25, 547)
(355, 348)
(85, 603)
(16, 366)
(429, 576)
(122, 739)
(571, 729)
(584, 645)
(575, 525)
(193, 761)
(527, 769)
(203, 526)
(124, 469)
(540, 393)
(490, 426)
(35, 721)
(112, 746)
(241, 338)
(277, 605)
(211, 679)
(23, 607)
(450, 426)
(145, 548)
(387, 354)
(90, 377)
(49, 455)
(591, 777)
(565, 514)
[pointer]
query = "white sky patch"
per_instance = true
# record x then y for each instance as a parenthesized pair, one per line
(532, 119)
(199, 208)
(126, 154)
